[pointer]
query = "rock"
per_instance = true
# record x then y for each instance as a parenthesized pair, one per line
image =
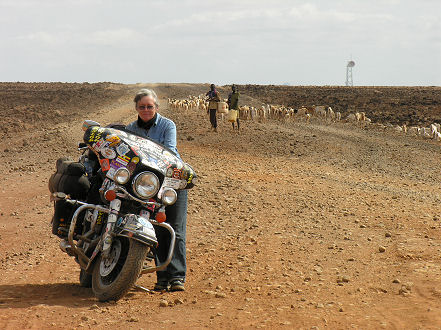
(381, 249)
(163, 303)
(388, 234)
(342, 279)
(405, 289)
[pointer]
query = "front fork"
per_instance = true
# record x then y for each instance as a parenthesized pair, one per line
(115, 206)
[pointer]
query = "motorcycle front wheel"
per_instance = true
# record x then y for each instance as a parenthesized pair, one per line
(85, 279)
(113, 277)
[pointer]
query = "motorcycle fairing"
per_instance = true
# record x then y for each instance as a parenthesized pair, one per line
(116, 148)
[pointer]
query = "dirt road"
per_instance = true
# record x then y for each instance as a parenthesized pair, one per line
(292, 225)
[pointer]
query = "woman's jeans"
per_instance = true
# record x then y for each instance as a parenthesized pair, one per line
(177, 218)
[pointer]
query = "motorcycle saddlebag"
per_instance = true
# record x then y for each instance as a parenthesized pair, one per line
(69, 178)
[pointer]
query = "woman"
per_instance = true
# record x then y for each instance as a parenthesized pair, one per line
(213, 100)
(163, 130)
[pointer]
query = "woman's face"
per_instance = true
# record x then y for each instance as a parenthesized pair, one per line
(146, 108)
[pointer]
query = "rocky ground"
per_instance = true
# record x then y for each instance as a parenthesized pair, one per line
(292, 225)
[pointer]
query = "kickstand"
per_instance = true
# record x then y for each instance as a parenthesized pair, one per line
(142, 288)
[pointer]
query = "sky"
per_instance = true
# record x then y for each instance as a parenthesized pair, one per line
(292, 42)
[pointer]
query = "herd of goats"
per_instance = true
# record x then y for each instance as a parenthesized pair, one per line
(304, 113)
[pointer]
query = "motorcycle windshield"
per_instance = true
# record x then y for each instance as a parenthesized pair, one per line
(116, 148)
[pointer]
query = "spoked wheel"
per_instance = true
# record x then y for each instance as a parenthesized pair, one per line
(114, 276)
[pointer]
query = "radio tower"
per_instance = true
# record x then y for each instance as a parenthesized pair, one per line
(349, 67)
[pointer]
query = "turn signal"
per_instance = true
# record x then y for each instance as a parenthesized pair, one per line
(160, 216)
(110, 195)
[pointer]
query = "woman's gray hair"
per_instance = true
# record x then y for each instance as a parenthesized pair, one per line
(146, 92)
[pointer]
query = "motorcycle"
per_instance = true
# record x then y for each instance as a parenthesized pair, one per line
(109, 202)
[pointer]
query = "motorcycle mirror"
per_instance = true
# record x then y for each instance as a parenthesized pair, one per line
(89, 123)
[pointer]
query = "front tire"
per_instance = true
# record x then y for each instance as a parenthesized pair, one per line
(113, 277)
(85, 279)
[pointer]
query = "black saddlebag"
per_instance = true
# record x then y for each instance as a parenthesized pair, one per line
(70, 178)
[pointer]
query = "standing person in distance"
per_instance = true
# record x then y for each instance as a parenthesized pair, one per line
(163, 130)
(213, 100)
(233, 104)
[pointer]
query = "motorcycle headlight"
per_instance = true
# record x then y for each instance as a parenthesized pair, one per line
(145, 185)
(169, 196)
(122, 175)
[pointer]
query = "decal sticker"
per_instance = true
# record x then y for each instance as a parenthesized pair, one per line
(183, 184)
(105, 165)
(99, 218)
(97, 145)
(185, 172)
(111, 173)
(95, 134)
(123, 159)
(190, 178)
(152, 206)
(131, 167)
(177, 174)
(122, 149)
(135, 160)
(108, 153)
(113, 139)
(172, 183)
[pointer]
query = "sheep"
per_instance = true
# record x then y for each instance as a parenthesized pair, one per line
(320, 111)
(308, 117)
(413, 130)
(351, 118)
(433, 130)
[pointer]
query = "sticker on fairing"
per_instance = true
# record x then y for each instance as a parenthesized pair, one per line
(95, 134)
(172, 183)
(131, 167)
(123, 159)
(97, 145)
(105, 165)
(113, 139)
(122, 149)
(108, 153)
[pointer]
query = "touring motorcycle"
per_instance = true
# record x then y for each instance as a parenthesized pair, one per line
(109, 202)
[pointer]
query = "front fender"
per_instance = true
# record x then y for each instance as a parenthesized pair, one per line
(136, 227)
(131, 226)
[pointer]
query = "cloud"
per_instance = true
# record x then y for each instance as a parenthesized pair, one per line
(112, 37)
(96, 38)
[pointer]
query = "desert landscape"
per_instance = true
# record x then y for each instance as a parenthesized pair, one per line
(292, 225)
